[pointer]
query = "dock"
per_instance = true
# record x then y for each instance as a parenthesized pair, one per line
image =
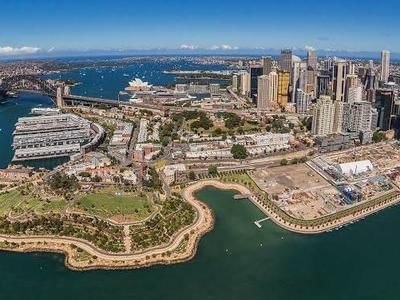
(258, 223)
(241, 196)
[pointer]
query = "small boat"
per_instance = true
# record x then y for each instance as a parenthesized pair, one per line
(126, 75)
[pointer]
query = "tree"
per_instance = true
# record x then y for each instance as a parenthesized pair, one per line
(239, 151)
(284, 162)
(192, 175)
(212, 170)
(378, 137)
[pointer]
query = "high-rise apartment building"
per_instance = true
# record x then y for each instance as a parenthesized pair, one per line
(267, 94)
(235, 83)
(263, 92)
(245, 84)
(303, 102)
(323, 116)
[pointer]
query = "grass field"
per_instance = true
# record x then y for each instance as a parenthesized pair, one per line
(112, 203)
(19, 204)
(242, 178)
(10, 201)
(55, 206)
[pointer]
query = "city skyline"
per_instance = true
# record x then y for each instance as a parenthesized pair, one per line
(76, 28)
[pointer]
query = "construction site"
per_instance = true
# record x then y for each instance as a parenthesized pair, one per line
(333, 182)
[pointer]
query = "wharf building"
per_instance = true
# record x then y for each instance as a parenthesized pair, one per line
(54, 136)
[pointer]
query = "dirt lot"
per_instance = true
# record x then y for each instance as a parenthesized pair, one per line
(286, 178)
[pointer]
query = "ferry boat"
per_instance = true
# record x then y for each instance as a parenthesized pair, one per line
(38, 111)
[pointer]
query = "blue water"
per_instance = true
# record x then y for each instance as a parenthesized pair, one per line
(237, 260)
(107, 82)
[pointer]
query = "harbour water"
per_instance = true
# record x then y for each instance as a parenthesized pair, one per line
(237, 260)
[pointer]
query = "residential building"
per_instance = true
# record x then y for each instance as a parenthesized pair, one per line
(245, 84)
(323, 116)
(303, 102)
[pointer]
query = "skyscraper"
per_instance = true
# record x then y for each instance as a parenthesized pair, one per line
(385, 65)
(384, 103)
(245, 84)
(283, 88)
(312, 59)
(263, 92)
(322, 85)
(235, 83)
(339, 80)
(266, 62)
(255, 72)
(267, 94)
(285, 60)
(273, 83)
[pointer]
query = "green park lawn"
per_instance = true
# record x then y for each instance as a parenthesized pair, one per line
(112, 203)
(14, 199)
(19, 204)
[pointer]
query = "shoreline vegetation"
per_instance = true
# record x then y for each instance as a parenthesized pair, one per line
(182, 246)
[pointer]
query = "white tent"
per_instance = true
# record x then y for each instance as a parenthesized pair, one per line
(355, 168)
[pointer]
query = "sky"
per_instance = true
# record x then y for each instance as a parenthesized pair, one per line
(76, 26)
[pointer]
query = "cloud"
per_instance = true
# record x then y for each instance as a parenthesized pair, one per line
(187, 47)
(309, 48)
(223, 47)
(51, 49)
(7, 50)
